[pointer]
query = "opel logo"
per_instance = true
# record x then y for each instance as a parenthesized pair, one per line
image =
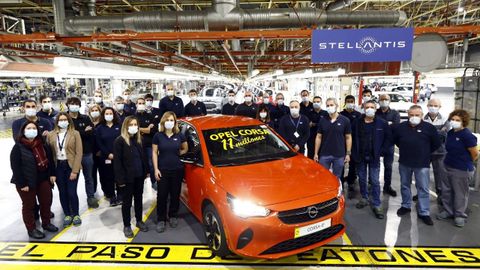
(312, 211)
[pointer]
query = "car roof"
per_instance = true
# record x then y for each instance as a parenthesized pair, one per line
(214, 121)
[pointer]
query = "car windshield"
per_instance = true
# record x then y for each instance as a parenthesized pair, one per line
(244, 145)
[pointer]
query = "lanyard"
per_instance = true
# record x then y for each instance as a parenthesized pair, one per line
(60, 146)
(293, 123)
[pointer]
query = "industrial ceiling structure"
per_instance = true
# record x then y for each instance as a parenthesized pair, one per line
(234, 37)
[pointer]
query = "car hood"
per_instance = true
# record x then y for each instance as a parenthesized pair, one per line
(278, 181)
(402, 106)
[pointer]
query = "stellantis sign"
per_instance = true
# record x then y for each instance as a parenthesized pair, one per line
(362, 45)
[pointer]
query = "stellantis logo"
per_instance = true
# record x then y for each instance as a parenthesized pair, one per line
(367, 45)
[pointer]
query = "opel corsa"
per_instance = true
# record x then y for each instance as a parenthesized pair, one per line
(253, 193)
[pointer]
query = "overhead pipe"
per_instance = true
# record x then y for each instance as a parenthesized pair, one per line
(91, 6)
(338, 4)
(59, 16)
(227, 15)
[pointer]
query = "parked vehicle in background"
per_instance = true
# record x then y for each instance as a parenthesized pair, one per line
(397, 102)
(213, 98)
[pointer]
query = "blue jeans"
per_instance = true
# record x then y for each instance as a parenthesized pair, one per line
(87, 168)
(387, 164)
(148, 150)
(422, 178)
(373, 175)
(336, 163)
(67, 189)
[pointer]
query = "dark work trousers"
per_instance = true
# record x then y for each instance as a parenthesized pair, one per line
(44, 193)
(387, 165)
(148, 151)
(87, 168)
(132, 191)
(67, 189)
(95, 171)
(352, 174)
(107, 179)
(169, 184)
(311, 146)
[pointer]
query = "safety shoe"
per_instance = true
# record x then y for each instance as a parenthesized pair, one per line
(92, 203)
(160, 227)
(390, 191)
(77, 221)
(443, 215)
(415, 198)
(50, 228)
(426, 219)
(362, 203)
(141, 226)
(113, 201)
(67, 221)
(402, 211)
(36, 234)
(173, 221)
(378, 211)
(128, 232)
(460, 221)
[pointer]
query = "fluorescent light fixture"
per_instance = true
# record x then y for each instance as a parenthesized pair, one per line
(308, 73)
(278, 72)
(255, 72)
(461, 6)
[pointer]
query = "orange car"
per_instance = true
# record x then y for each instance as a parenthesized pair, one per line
(254, 194)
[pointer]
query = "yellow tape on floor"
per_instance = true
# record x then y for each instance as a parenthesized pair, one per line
(201, 255)
(6, 134)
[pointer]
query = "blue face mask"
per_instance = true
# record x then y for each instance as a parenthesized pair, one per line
(31, 133)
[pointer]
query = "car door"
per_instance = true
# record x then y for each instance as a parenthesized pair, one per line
(193, 180)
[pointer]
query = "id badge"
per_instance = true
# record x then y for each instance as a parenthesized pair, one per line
(296, 134)
(108, 161)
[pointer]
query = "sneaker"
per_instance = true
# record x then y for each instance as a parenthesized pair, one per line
(426, 219)
(362, 203)
(141, 225)
(50, 228)
(113, 201)
(160, 227)
(92, 203)
(402, 211)
(36, 234)
(351, 192)
(415, 198)
(173, 221)
(119, 201)
(390, 191)
(460, 222)
(67, 221)
(77, 221)
(443, 215)
(128, 232)
(378, 211)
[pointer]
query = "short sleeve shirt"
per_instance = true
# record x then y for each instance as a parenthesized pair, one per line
(457, 144)
(333, 135)
(169, 150)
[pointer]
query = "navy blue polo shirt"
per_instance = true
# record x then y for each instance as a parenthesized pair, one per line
(306, 110)
(277, 113)
(229, 109)
(248, 111)
(333, 135)
(155, 113)
(352, 116)
(195, 110)
(49, 116)
(289, 125)
(144, 120)
(169, 150)
(391, 116)
(105, 136)
(81, 122)
(122, 116)
(457, 144)
(416, 144)
(43, 125)
(315, 118)
(130, 108)
(173, 105)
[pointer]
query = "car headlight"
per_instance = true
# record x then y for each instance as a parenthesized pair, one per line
(340, 189)
(246, 209)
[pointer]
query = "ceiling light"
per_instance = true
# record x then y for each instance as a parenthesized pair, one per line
(461, 6)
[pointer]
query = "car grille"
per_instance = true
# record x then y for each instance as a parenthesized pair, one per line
(302, 214)
(304, 241)
(210, 105)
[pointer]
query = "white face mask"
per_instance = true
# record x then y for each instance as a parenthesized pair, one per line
(30, 112)
(304, 99)
(317, 105)
(149, 103)
(280, 102)
(331, 109)
(169, 124)
(384, 103)
(248, 99)
(266, 100)
(47, 106)
(193, 98)
(370, 112)
(350, 106)
(63, 124)
(31, 133)
(73, 108)
(120, 106)
(455, 124)
(170, 93)
(141, 107)
(415, 120)
(433, 110)
(126, 97)
(294, 112)
(366, 98)
(95, 114)
(132, 130)
(109, 118)
(231, 99)
(98, 100)
(263, 115)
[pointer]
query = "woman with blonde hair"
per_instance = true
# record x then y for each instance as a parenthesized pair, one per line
(67, 149)
(167, 147)
(130, 169)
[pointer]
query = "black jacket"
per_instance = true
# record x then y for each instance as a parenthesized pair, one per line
(123, 164)
(24, 166)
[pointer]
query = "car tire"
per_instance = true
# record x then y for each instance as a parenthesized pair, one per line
(214, 232)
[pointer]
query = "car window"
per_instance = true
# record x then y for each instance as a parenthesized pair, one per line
(209, 92)
(193, 141)
(244, 145)
(394, 98)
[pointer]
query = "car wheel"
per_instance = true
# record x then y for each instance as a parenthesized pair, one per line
(214, 231)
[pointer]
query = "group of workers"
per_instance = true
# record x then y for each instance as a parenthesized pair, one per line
(129, 142)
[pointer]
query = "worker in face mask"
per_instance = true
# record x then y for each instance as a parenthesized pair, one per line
(98, 98)
(278, 110)
(333, 143)
(120, 109)
(171, 103)
(370, 135)
(393, 118)
(150, 109)
(195, 107)
(47, 110)
(294, 128)
(247, 108)
(315, 116)
(366, 96)
(230, 107)
(130, 106)
(306, 107)
(147, 126)
(416, 140)
(30, 109)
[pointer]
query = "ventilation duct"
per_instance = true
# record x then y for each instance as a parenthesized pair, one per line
(227, 15)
